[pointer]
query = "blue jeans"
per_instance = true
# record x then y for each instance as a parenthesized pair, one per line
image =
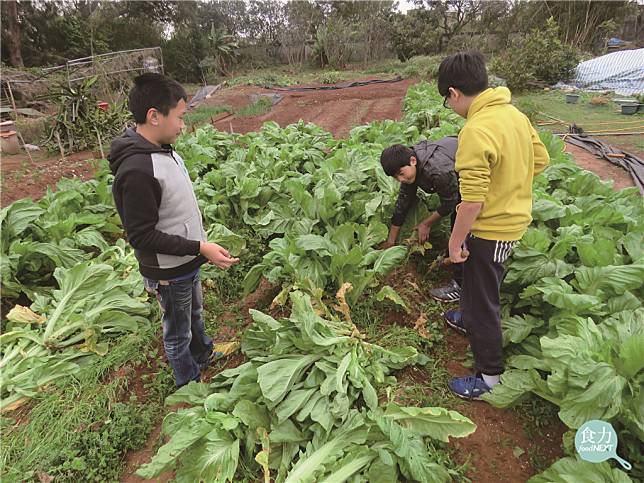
(184, 337)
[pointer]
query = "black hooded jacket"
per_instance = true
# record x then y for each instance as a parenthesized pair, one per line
(434, 174)
(157, 205)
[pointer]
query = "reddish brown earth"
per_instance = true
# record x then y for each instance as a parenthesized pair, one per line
(337, 111)
(22, 178)
(602, 168)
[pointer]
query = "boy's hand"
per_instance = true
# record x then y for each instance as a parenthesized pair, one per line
(423, 232)
(217, 255)
(386, 244)
(456, 252)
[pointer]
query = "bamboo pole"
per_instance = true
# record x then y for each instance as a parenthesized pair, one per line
(565, 134)
(100, 143)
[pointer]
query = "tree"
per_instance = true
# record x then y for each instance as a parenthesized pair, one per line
(266, 19)
(222, 50)
(452, 16)
(11, 32)
(302, 22)
(416, 33)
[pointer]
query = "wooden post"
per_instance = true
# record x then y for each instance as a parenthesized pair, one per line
(15, 114)
(13, 101)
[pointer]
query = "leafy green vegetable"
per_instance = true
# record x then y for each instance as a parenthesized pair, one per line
(303, 386)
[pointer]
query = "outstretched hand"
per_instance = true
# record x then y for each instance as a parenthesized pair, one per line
(217, 255)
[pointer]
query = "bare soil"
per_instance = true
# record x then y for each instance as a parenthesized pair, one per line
(337, 111)
(602, 168)
(24, 178)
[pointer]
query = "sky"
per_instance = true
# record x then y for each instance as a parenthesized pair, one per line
(404, 5)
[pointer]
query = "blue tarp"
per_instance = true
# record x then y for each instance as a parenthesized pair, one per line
(622, 72)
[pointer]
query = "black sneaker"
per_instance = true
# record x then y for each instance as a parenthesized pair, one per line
(455, 320)
(449, 293)
(215, 355)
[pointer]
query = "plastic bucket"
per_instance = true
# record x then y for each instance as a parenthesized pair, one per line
(9, 142)
(572, 98)
(6, 126)
(629, 109)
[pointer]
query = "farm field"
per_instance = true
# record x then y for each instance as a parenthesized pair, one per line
(338, 357)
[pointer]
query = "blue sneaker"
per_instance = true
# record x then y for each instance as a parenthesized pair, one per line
(454, 319)
(469, 387)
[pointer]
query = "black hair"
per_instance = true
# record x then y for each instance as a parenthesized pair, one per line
(154, 91)
(395, 157)
(464, 71)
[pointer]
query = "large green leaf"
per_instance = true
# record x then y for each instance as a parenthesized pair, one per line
(388, 259)
(575, 470)
(221, 235)
(180, 441)
(277, 377)
(437, 423)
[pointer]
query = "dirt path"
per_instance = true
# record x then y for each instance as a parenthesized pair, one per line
(602, 168)
(337, 111)
(22, 178)
(499, 433)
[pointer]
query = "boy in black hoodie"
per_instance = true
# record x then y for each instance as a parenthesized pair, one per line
(155, 200)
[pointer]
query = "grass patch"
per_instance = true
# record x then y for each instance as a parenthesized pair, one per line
(260, 107)
(285, 76)
(264, 78)
(203, 114)
(537, 414)
(588, 114)
(81, 429)
(332, 77)
(392, 66)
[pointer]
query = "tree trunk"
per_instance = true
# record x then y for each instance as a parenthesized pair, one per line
(11, 31)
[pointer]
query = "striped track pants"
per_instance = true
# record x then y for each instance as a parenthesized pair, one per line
(482, 275)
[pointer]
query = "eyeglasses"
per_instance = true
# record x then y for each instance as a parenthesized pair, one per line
(445, 102)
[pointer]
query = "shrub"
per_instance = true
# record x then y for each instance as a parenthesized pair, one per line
(540, 56)
(422, 66)
(331, 77)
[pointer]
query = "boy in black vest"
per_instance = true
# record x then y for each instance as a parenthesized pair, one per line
(155, 200)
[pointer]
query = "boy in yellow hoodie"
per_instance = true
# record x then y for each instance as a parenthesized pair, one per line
(499, 153)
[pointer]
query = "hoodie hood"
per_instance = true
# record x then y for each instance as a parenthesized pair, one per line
(131, 143)
(490, 97)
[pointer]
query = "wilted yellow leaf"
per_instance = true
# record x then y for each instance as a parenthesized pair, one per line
(14, 405)
(24, 315)
(227, 348)
(421, 326)
(343, 306)
(280, 298)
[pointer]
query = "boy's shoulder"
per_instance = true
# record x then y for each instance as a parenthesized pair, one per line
(495, 122)
(132, 152)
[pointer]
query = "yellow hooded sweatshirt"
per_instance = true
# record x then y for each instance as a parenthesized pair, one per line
(499, 153)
